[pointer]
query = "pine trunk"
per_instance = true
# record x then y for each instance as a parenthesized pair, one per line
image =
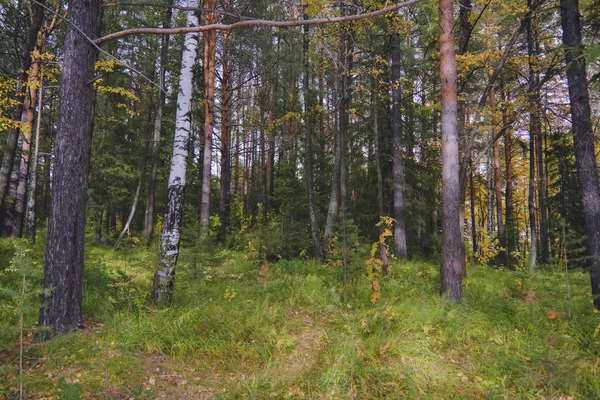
(225, 188)
(451, 269)
(63, 268)
(397, 152)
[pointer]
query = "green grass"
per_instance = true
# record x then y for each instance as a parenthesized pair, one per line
(303, 334)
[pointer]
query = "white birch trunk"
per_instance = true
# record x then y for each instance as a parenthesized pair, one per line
(169, 244)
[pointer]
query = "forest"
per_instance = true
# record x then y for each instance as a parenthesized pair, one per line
(345, 199)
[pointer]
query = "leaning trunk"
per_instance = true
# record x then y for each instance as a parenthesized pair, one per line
(162, 290)
(585, 160)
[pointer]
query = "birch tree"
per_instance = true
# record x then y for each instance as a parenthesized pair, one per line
(162, 289)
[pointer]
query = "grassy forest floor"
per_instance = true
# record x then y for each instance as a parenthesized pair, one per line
(300, 332)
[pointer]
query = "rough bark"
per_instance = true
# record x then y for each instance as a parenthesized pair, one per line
(309, 127)
(585, 161)
(210, 40)
(162, 290)
(158, 122)
(451, 268)
(397, 152)
(63, 268)
(225, 185)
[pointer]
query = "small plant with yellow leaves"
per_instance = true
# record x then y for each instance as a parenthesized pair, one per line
(377, 263)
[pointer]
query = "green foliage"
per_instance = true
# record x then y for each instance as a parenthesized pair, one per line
(19, 292)
(298, 333)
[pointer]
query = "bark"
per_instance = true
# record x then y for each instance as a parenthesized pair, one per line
(37, 16)
(473, 219)
(501, 258)
(30, 217)
(309, 122)
(534, 135)
(397, 152)
(271, 156)
(158, 121)
(509, 226)
(531, 201)
(210, 40)
(585, 161)
(63, 268)
(225, 188)
(451, 269)
(162, 290)
(466, 28)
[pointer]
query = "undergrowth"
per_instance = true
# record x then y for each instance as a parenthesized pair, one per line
(298, 332)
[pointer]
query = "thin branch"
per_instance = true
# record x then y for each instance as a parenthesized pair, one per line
(175, 6)
(464, 164)
(249, 23)
(93, 43)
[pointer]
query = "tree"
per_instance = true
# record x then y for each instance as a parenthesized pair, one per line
(397, 156)
(210, 40)
(451, 270)
(158, 123)
(162, 289)
(309, 128)
(37, 17)
(63, 268)
(585, 160)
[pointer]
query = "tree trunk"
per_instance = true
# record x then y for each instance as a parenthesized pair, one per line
(501, 258)
(162, 290)
(397, 153)
(309, 126)
(37, 17)
(534, 128)
(210, 40)
(451, 269)
(158, 120)
(338, 174)
(472, 197)
(509, 226)
(225, 189)
(30, 216)
(63, 268)
(377, 147)
(585, 161)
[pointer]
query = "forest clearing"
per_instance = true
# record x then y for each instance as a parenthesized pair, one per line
(302, 333)
(299, 199)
